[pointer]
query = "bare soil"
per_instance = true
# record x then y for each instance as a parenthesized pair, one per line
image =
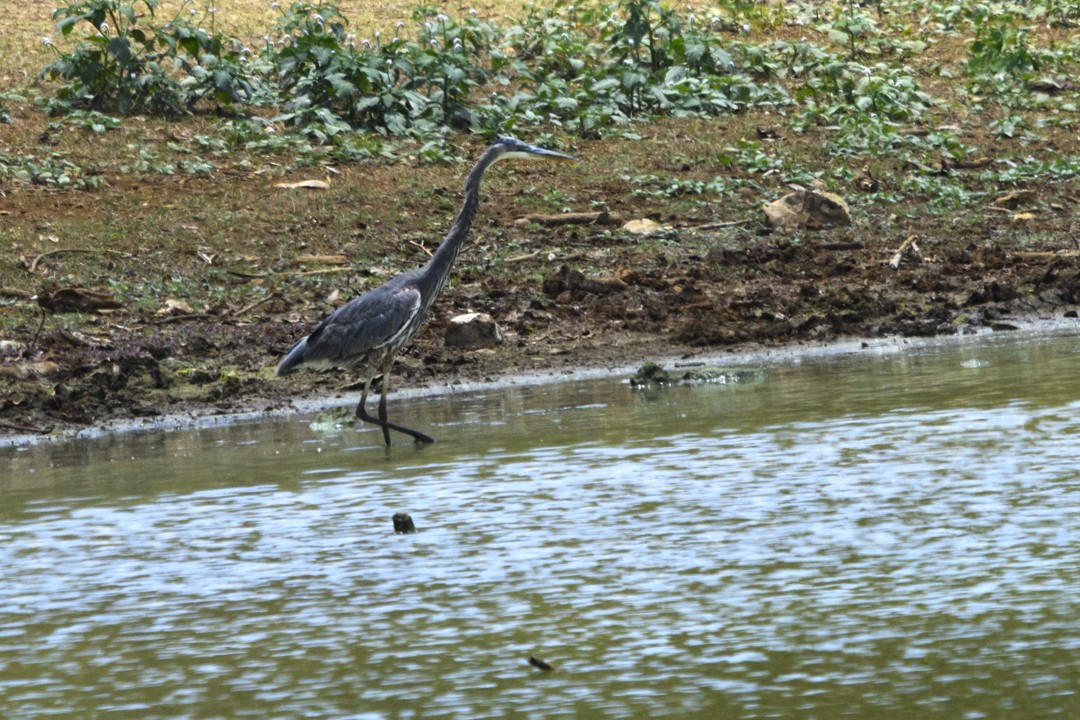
(157, 295)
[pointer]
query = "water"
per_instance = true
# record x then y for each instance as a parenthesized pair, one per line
(881, 535)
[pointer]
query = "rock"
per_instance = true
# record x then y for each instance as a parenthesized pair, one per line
(574, 280)
(808, 209)
(11, 348)
(646, 227)
(650, 374)
(473, 330)
(21, 371)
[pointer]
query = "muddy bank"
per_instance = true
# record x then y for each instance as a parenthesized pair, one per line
(117, 374)
(177, 296)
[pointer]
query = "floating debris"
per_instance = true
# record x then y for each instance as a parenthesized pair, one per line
(540, 664)
(403, 524)
(652, 375)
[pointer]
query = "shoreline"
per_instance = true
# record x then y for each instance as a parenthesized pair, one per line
(207, 416)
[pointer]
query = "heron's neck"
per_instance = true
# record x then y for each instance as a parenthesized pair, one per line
(442, 260)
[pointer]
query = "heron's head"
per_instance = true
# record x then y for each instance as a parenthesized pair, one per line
(508, 147)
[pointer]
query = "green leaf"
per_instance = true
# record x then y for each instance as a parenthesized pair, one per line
(120, 48)
(366, 103)
(67, 24)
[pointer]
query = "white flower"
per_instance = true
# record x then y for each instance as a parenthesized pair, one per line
(46, 41)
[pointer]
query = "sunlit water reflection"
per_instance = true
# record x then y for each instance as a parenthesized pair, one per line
(877, 536)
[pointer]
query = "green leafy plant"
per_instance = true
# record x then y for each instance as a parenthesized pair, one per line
(50, 170)
(130, 63)
(854, 29)
(91, 120)
(999, 47)
(331, 82)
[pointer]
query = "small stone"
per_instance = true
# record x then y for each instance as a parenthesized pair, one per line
(473, 330)
(11, 348)
(808, 209)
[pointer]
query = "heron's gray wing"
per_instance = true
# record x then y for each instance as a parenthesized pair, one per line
(362, 329)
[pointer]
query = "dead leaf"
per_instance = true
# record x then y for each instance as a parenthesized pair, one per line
(1023, 217)
(1015, 199)
(305, 184)
(175, 307)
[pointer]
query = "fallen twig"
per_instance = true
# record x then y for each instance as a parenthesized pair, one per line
(25, 428)
(32, 267)
(839, 246)
(602, 217)
(718, 225)
(169, 319)
(898, 257)
(1047, 253)
(259, 276)
(522, 258)
(248, 308)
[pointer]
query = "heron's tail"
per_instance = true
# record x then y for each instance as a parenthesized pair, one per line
(294, 359)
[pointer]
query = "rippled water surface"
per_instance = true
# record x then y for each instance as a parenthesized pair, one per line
(876, 535)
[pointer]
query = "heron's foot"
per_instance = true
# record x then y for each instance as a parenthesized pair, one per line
(418, 437)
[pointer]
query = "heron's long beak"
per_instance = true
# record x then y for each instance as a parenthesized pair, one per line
(551, 154)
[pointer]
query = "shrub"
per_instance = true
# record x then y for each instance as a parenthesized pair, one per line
(131, 64)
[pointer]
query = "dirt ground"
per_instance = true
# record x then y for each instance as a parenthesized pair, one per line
(176, 294)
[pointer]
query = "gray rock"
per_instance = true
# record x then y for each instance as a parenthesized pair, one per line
(473, 330)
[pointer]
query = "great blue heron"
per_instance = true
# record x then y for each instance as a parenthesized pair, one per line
(366, 333)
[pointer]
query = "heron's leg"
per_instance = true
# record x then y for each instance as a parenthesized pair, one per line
(361, 409)
(362, 413)
(416, 435)
(381, 421)
(382, 406)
